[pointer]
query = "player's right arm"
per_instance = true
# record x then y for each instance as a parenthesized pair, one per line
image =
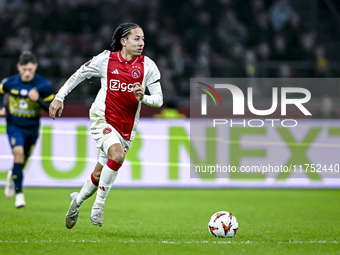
(89, 69)
(2, 92)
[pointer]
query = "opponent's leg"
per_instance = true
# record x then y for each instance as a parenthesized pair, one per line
(17, 175)
(9, 186)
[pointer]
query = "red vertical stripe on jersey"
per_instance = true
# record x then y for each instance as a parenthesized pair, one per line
(121, 103)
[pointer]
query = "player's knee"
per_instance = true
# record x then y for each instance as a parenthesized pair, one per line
(118, 157)
(116, 153)
(18, 153)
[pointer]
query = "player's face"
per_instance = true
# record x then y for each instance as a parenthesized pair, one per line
(133, 45)
(27, 71)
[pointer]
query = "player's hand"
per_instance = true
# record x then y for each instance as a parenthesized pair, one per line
(138, 91)
(33, 94)
(2, 111)
(56, 107)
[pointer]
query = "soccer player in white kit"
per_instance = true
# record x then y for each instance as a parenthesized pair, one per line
(125, 74)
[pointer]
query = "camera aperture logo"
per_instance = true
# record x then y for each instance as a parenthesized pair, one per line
(204, 97)
(238, 105)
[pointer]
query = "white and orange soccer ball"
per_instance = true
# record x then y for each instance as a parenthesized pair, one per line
(223, 224)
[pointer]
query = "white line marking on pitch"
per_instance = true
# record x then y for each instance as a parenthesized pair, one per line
(174, 242)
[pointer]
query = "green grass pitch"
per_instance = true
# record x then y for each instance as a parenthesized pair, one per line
(174, 221)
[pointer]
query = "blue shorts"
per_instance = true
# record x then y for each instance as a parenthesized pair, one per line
(25, 137)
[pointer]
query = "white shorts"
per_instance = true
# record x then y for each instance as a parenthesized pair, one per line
(106, 135)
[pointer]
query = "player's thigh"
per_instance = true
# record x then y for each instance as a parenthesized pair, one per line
(16, 136)
(106, 136)
(16, 139)
(30, 139)
(113, 148)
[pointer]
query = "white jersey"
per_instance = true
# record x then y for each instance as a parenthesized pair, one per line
(115, 102)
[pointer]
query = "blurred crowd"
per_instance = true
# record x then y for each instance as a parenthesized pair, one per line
(191, 38)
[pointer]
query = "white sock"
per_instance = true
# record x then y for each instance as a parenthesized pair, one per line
(107, 178)
(86, 191)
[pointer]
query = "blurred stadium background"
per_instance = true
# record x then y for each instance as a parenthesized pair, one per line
(187, 39)
(192, 38)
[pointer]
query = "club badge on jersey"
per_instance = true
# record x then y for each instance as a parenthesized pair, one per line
(136, 73)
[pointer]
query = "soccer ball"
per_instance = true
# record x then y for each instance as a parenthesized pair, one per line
(223, 224)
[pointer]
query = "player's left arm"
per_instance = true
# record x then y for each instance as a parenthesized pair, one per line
(42, 94)
(153, 84)
(155, 98)
(45, 102)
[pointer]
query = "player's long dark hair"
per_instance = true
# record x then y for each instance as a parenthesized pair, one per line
(122, 31)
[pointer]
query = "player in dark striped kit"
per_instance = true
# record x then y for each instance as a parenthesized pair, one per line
(29, 93)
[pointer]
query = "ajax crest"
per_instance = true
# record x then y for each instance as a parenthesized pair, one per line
(107, 131)
(136, 73)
